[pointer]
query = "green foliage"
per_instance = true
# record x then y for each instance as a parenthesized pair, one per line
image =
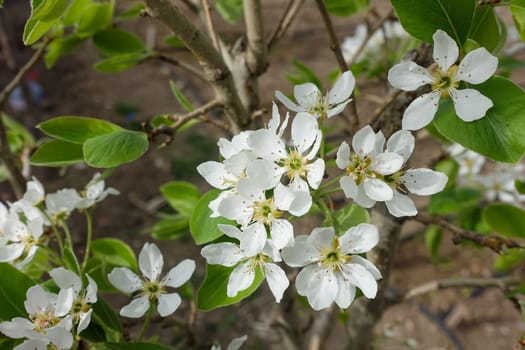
(513, 257)
(182, 196)
(302, 74)
(421, 18)
(517, 8)
(13, 287)
(453, 200)
(95, 17)
(433, 236)
(349, 216)
(450, 168)
(75, 11)
(77, 129)
(230, 10)
(35, 29)
(58, 153)
(60, 47)
(117, 41)
(500, 135)
(132, 12)
(506, 219)
(520, 186)
(204, 228)
(345, 7)
(486, 30)
(17, 134)
(107, 320)
(212, 293)
(119, 63)
(184, 102)
(171, 227)
(116, 148)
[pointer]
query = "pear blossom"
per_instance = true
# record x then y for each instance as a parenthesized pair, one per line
(295, 161)
(251, 206)
(35, 192)
(61, 203)
(254, 252)
(332, 268)
(150, 288)
(499, 185)
(444, 77)
(21, 240)
(470, 163)
(235, 344)
(83, 298)
(95, 192)
(310, 99)
(366, 168)
(48, 323)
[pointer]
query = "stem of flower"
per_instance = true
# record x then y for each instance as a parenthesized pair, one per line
(329, 192)
(69, 242)
(88, 239)
(54, 228)
(330, 183)
(146, 322)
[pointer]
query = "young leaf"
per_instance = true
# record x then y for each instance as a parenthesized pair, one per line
(117, 41)
(517, 8)
(119, 63)
(58, 153)
(453, 200)
(132, 12)
(485, 29)
(171, 227)
(184, 102)
(203, 228)
(60, 47)
(114, 252)
(212, 292)
(116, 148)
(182, 196)
(35, 29)
(13, 287)
(505, 219)
(349, 216)
(303, 74)
(520, 186)
(77, 129)
(345, 7)
(75, 11)
(500, 134)
(95, 17)
(230, 10)
(513, 257)
(433, 236)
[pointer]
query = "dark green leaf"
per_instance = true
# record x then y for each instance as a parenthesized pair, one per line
(58, 153)
(117, 41)
(485, 29)
(77, 129)
(13, 287)
(499, 135)
(345, 7)
(212, 293)
(517, 8)
(182, 196)
(450, 168)
(453, 200)
(95, 17)
(204, 228)
(230, 10)
(171, 227)
(520, 186)
(184, 102)
(421, 18)
(114, 252)
(118, 63)
(60, 47)
(108, 320)
(505, 219)
(116, 148)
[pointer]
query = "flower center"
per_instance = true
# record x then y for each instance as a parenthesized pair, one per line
(333, 258)
(321, 106)
(44, 320)
(295, 164)
(444, 81)
(80, 306)
(154, 289)
(359, 168)
(266, 211)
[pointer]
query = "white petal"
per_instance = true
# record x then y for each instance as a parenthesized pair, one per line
(363, 141)
(84, 321)
(359, 239)
(61, 337)
(168, 303)
(304, 131)
(16, 328)
(401, 205)
(236, 343)
(281, 232)
(66, 279)
(409, 76)
(11, 252)
(235, 208)
(445, 50)
(477, 66)
(343, 156)
(367, 265)
(179, 274)
(345, 293)
(36, 299)
(230, 231)
(236, 165)
(91, 290)
(64, 302)
(315, 173)
(33, 344)
(362, 198)
(349, 186)
(226, 254)
(401, 142)
(322, 237)
(136, 308)
(337, 109)
(306, 94)
(267, 145)
(424, 182)
(240, 279)
(421, 111)
(470, 104)
(253, 239)
(275, 120)
(214, 173)
(277, 280)
(377, 190)
(125, 280)
(265, 173)
(151, 261)
(301, 253)
(287, 102)
(360, 277)
(323, 287)
(342, 89)
(387, 163)
(379, 143)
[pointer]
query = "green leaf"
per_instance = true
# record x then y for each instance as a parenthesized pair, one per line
(114, 252)
(58, 153)
(349, 216)
(204, 228)
(230, 10)
(345, 7)
(35, 29)
(75, 11)
(13, 287)
(17, 134)
(132, 12)
(116, 148)
(421, 18)
(485, 29)
(172, 40)
(70, 260)
(450, 168)
(182, 196)
(212, 292)
(119, 63)
(303, 74)
(77, 129)
(517, 8)
(184, 102)
(171, 227)
(520, 186)
(453, 200)
(107, 320)
(499, 135)
(95, 17)
(117, 41)
(60, 47)
(50, 10)
(135, 346)
(433, 235)
(505, 219)
(509, 260)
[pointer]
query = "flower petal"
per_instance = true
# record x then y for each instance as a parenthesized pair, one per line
(322, 237)
(179, 274)
(360, 277)
(151, 261)
(306, 95)
(315, 173)
(345, 293)
(84, 320)
(236, 343)
(267, 145)
(277, 280)
(168, 303)
(387, 163)
(421, 111)
(470, 104)
(363, 141)
(409, 76)
(66, 279)
(240, 279)
(225, 254)
(401, 142)
(359, 239)
(477, 66)
(301, 253)
(349, 186)
(401, 205)
(253, 239)
(342, 89)
(424, 182)
(265, 173)
(377, 190)
(367, 265)
(322, 286)
(37, 299)
(64, 302)
(304, 131)
(136, 308)
(288, 103)
(125, 280)
(281, 232)
(446, 50)
(343, 156)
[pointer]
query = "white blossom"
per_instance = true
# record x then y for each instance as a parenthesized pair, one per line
(20, 241)
(95, 192)
(48, 323)
(235, 344)
(151, 288)
(470, 163)
(499, 184)
(310, 99)
(332, 269)
(444, 77)
(254, 252)
(61, 203)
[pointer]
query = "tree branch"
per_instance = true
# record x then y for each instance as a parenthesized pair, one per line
(321, 328)
(288, 16)
(209, 24)
(183, 65)
(216, 71)
(256, 52)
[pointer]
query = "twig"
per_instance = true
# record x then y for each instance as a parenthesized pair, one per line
(467, 282)
(321, 328)
(393, 96)
(6, 50)
(256, 52)
(183, 65)
(209, 24)
(292, 9)
(215, 69)
(180, 120)
(496, 243)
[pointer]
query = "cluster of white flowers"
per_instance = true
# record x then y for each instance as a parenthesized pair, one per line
(53, 319)
(23, 224)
